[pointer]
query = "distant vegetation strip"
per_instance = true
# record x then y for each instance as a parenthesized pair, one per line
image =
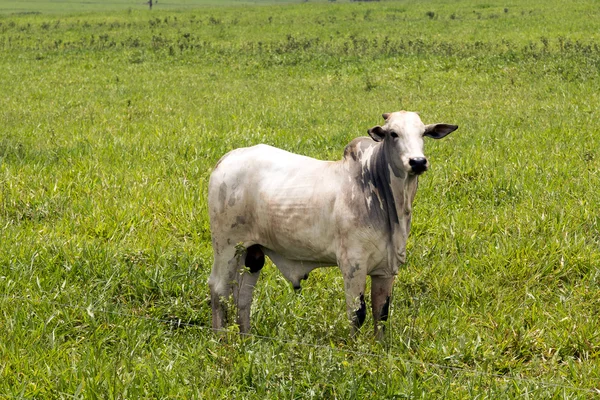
(168, 41)
(76, 6)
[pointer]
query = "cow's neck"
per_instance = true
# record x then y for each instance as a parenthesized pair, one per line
(399, 189)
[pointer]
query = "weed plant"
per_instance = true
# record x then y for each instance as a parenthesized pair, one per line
(111, 123)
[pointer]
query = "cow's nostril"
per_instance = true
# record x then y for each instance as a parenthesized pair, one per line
(418, 164)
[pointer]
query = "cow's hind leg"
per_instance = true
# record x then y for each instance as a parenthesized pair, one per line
(229, 278)
(254, 260)
(226, 265)
(381, 292)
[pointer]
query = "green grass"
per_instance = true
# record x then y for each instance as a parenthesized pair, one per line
(112, 121)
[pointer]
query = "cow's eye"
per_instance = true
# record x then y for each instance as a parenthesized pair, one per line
(393, 134)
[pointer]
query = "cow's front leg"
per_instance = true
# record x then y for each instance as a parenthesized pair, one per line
(381, 294)
(355, 281)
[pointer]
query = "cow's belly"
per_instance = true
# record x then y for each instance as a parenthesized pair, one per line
(298, 246)
(297, 222)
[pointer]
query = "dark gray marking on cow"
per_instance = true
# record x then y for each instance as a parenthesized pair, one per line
(354, 270)
(375, 180)
(239, 220)
(361, 313)
(231, 202)
(255, 258)
(223, 193)
(351, 151)
(385, 310)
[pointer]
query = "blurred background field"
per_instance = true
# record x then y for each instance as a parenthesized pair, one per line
(76, 6)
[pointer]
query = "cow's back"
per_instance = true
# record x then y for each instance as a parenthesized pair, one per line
(251, 170)
(280, 200)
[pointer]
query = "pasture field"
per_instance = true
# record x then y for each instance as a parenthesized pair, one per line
(112, 121)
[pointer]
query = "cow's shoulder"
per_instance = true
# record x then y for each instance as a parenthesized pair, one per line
(357, 147)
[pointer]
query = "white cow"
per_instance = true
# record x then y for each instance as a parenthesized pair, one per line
(305, 213)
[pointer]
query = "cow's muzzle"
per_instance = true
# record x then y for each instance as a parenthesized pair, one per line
(418, 165)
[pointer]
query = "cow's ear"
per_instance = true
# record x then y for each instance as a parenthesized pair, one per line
(377, 133)
(386, 115)
(438, 131)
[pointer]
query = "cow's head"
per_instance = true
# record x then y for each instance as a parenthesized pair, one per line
(402, 137)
